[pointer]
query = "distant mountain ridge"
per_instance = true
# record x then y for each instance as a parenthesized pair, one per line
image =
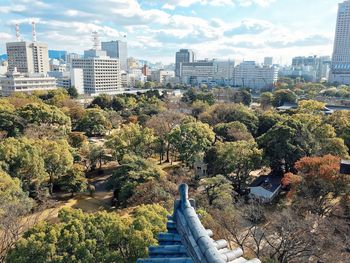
(53, 54)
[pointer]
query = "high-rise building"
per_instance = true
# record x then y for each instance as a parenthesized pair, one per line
(340, 71)
(117, 49)
(183, 56)
(28, 57)
(101, 74)
(268, 61)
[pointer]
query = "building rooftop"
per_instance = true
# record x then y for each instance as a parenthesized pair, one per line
(345, 167)
(269, 182)
(187, 241)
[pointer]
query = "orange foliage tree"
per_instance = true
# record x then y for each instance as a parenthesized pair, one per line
(321, 183)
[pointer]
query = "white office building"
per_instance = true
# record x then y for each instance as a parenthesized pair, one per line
(195, 73)
(68, 79)
(117, 49)
(223, 72)
(162, 76)
(340, 71)
(28, 57)
(249, 74)
(25, 82)
(101, 73)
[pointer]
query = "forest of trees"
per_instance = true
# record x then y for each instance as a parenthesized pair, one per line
(51, 144)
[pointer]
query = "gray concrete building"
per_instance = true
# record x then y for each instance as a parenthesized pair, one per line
(117, 49)
(183, 56)
(28, 57)
(195, 73)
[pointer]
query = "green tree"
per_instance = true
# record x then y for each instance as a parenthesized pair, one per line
(22, 158)
(12, 124)
(218, 191)
(92, 154)
(13, 206)
(266, 100)
(101, 237)
(57, 158)
(285, 143)
(94, 123)
(243, 96)
(74, 180)
(267, 120)
(224, 113)
(149, 85)
(103, 101)
(132, 139)
(162, 124)
(232, 131)
(77, 139)
(132, 172)
(284, 96)
(73, 92)
(235, 160)
(191, 138)
(43, 115)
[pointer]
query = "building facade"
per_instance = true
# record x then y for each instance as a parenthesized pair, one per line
(68, 79)
(249, 74)
(268, 61)
(28, 57)
(101, 75)
(25, 82)
(340, 71)
(162, 76)
(224, 72)
(117, 49)
(195, 73)
(183, 56)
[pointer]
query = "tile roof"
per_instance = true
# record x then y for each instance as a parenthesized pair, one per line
(187, 241)
(269, 182)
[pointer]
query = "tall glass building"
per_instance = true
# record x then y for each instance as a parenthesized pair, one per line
(340, 71)
(117, 49)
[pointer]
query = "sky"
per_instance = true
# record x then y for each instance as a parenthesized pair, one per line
(156, 29)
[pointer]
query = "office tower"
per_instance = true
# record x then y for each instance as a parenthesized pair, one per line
(101, 74)
(340, 71)
(183, 56)
(249, 74)
(268, 61)
(117, 49)
(28, 57)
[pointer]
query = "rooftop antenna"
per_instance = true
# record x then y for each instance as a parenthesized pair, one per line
(95, 40)
(18, 34)
(33, 31)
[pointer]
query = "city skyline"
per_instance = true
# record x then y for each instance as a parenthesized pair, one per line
(155, 30)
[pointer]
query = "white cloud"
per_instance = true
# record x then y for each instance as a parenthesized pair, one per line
(12, 9)
(172, 4)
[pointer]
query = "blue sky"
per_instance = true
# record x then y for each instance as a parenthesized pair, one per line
(155, 30)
